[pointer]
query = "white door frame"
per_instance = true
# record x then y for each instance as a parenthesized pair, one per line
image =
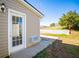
(9, 28)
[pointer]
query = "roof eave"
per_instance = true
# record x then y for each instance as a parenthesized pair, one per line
(31, 8)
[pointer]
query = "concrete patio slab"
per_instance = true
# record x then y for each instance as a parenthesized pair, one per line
(49, 37)
(32, 51)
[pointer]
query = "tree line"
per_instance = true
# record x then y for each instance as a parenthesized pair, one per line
(70, 20)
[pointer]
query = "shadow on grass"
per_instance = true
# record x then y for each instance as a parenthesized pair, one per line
(59, 50)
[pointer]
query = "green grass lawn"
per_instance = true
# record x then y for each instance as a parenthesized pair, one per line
(57, 35)
(54, 28)
(74, 35)
(70, 45)
(73, 51)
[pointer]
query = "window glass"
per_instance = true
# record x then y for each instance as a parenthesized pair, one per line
(16, 31)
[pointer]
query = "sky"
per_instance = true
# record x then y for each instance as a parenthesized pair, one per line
(54, 9)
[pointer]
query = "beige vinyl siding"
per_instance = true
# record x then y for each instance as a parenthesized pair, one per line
(32, 25)
(32, 29)
(3, 35)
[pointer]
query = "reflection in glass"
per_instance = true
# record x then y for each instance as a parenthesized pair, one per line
(16, 30)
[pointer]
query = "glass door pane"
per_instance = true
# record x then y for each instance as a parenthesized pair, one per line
(16, 31)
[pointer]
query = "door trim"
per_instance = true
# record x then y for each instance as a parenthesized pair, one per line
(9, 21)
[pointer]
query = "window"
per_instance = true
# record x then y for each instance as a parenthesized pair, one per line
(16, 30)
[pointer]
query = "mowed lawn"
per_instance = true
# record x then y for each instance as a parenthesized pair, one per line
(65, 46)
(70, 39)
(53, 28)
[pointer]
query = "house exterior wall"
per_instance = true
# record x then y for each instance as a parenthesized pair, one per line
(3, 35)
(32, 25)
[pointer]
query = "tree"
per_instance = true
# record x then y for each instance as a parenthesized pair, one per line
(69, 20)
(52, 24)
